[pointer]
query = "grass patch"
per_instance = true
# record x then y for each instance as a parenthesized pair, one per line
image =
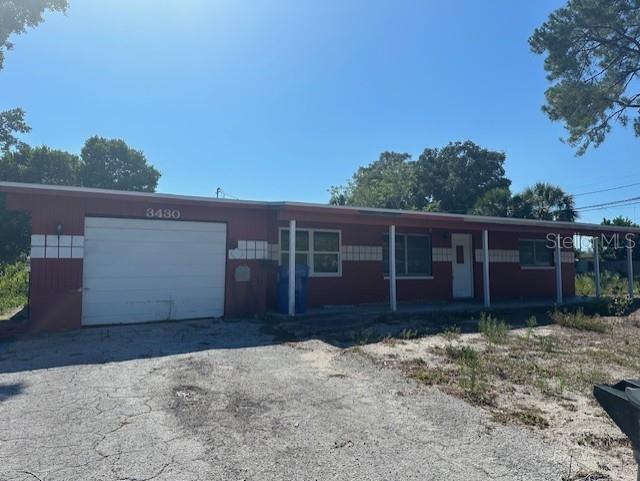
(14, 282)
(453, 333)
(580, 321)
(494, 330)
(522, 415)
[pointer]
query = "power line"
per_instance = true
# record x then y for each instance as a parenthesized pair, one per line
(607, 190)
(606, 204)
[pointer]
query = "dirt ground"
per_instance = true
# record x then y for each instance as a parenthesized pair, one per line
(540, 378)
(220, 400)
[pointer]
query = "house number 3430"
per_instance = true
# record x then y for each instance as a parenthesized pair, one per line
(163, 213)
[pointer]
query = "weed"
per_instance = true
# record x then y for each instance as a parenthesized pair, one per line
(430, 376)
(522, 415)
(532, 322)
(452, 334)
(462, 355)
(495, 331)
(389, 341)
(579, 320)
(546, 343)
(407, 333)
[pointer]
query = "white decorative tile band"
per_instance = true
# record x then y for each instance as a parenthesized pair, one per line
(500, 255)
(362, 253)
(254, 249)
(513, 256)
(441, 254)
(57, 246)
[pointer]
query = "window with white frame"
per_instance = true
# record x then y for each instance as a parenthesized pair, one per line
(413, 255)
(535, 253)
(316, 248)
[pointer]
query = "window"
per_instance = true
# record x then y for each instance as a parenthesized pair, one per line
(413, 255)
(318, 249)
(535, 253)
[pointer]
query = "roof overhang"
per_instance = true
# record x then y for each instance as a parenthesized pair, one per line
(292, 209)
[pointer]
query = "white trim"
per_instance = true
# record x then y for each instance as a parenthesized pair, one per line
(485, 268)
(392, 268)
(596, 256)
(292, 267)
(630, 270)
(311, 250)
(436, 215)
(558, 266)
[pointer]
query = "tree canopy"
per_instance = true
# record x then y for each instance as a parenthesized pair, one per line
(458, 174)
(17, 16)
(438, 180)
(106, 163)
(461, 177)
(112, 164)
(592, 61)
(389, 182)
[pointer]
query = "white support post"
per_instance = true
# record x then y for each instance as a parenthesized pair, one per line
(292, 267)
(558, 259)
(596, 265)
(630, 269)
(485, 268)
(392, 269)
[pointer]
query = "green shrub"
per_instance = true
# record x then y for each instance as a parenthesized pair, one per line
(14, 285)
(585, 285)
(494, 330)
(579, 320)
(620, 305)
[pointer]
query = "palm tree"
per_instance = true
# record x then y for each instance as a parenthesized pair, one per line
(545, 201)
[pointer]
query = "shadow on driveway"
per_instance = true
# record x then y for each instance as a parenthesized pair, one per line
(98, 345)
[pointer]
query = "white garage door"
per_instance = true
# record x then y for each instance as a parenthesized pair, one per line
(150, 270)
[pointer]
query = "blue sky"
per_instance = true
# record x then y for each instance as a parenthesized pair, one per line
(279, 100)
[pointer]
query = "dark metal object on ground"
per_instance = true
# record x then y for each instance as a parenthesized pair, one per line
(621, 401)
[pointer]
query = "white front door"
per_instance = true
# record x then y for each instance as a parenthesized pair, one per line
(139, 270)
(462, 265)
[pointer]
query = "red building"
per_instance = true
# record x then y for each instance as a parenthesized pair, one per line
(104, 257)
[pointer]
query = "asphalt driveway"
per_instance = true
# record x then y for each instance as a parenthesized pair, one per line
(213, 400)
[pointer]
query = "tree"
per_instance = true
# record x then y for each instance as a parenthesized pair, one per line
(544, 201)
(608, 250)
(17, 16)
(388, 182)
(592, 59)
(40, 165)
(105, 163)
(496, 202)
(11, 122)
(458, 174)
(112, 164)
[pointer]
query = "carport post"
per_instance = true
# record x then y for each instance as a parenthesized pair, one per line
(558, 259)
(485, 268)
(392, 268)
(596, 265)
(630, 268)
(292, 267)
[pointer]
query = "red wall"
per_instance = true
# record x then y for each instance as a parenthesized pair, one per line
(56, 284)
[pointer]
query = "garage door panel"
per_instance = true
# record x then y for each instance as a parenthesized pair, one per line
(150, 284)
(108, 224)
(153, 310)
(146, 270)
